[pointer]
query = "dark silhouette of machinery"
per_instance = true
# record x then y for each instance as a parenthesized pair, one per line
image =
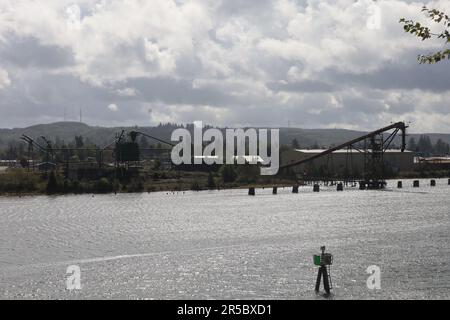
(373, 145)
(124, 149)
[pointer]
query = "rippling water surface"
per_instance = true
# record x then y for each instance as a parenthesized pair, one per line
(226, 244)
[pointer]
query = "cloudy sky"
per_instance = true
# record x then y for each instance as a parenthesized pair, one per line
(309, 63)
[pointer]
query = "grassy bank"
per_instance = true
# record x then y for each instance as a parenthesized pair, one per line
(21, 182)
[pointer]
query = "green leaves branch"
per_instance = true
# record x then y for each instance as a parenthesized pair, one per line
(425, 33)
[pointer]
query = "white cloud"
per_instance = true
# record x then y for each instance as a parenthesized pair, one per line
(73, 13)
(127, 92)
(231, 62)
(4, 79)
(113, 107)
(163, 60)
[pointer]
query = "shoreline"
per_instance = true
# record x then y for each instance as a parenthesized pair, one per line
(37, 193)
(185, 189)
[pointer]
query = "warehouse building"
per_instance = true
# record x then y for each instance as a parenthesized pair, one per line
(344, 162)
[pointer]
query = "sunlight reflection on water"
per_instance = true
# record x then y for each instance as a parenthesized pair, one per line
(225, 244)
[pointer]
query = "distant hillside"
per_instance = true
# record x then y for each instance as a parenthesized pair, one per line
(66, 131)
(62, 130)
(319, 137)
(330, 137)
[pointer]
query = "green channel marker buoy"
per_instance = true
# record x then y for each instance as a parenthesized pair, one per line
(323, 261)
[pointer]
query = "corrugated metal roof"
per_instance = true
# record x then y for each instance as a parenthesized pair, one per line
(310, 151)
(246, 158)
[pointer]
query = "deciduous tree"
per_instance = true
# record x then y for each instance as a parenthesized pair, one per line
(425, 33)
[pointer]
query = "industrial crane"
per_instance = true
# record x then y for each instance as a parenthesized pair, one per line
(373, 151)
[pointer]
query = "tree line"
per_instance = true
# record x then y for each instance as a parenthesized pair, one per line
(426, 148)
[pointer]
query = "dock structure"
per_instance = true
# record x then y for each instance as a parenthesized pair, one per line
(372, 146)
(363, 185)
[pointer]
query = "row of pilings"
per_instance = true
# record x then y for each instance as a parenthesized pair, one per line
(416, 183)
(339, 186)
(316, 188)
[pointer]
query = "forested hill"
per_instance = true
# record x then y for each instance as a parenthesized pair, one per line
(65, 132)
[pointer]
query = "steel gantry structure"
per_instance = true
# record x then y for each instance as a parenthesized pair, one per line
(373, 145)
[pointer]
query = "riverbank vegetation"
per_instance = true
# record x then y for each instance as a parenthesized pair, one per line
(16, 181)
(22, 181)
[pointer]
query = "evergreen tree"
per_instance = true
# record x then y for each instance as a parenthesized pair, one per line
(441, 148)
(52, 184)
(228, 173)
(79, 143)
(424, 146)
(211, 182)
(412, 145)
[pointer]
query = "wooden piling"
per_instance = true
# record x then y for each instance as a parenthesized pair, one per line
(399, 184)
(251, 191)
